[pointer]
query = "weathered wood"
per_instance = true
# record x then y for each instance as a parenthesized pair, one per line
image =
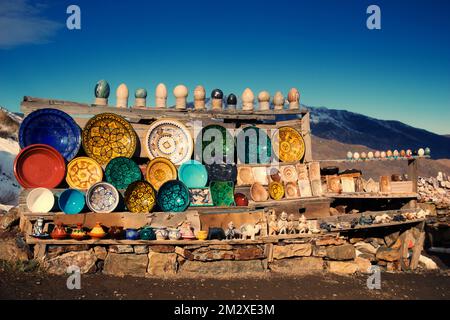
(417, 250)
(368, 195)
(126, 220)
(412, 158)
(40, 249)
(306, 133)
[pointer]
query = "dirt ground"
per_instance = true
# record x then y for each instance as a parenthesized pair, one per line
(32, 285)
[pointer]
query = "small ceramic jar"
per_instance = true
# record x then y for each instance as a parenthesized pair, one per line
(174, 234)
(370, 155)
(356, 156)
(161, 233)
(377, 154)
(349, 155)
(395, 154)
(363, 156)
(147, 233)
(131, 234)
(402, 153)
(383, 155)
(427, 151)
(389, 154)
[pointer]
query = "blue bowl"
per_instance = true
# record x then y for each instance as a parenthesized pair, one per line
(193, 174)
(71, 201)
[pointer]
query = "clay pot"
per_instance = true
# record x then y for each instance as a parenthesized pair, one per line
(147, 234)
(202, 235)
(161, 233)
(258, 192)
(174, 234)
(116, 232)
(59, 232)
(240, 199)
(78, 233)
(97, 232)
(131, 234)
(275, 174)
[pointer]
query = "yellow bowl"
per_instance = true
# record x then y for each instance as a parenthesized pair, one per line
(202, 235)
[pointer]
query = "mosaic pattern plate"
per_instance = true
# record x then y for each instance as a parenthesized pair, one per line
(173, 196)
(140, 197)
(107, 136)
(83, 172)
(288, 144)
(215, 137)
(159, 171)
(102, 197)
(253, 146)
(169, 139)
(222, 193)
(121, 172)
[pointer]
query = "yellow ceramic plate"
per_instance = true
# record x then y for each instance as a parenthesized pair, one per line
(83, 172)
(276, 190)
(107, 136)
(160, 170)
(288, 144)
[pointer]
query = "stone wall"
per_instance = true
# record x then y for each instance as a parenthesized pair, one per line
(435, 190)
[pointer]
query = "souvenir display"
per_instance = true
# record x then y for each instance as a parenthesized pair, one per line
(159, 171)
(121, 172)
(147, 233)
(200, 197)
(288, 144)
(276, 190)
(258, 192)
(97, 232)
(260, 175)
(83, 172)
(222, 172)
(71, 201)
(51, 127)
(140, 197)
(59, 232)
(169, 139)
(241, 199)
(107, 136)
(222, 193)
(245, 176)
(253, 146)
(215, 137)
(78, 233)
(40, 200)
(131, 234)
(193, 174)
(289, 174)
(102, 197)
(39, 165)
(173, 196)
(291, 190)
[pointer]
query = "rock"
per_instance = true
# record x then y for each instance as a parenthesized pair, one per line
(393, 266)
(100, 252)
(334, 212)
(221, 247)
(397, 244)
(117, 264)
(391, 238)
(297, 265)
(249, 253)
(343, 252)
(163, 248)
(330, 241)
(56, 250)
(343, 267)
(162, 263)
(121, 248)
(9, 219)
(365, 247)
(182, 252)
(292, 250)
(10, 251)
(427, 263)
(222, 267)
(205, 254)
(356, 240)
(364, 265)
(388, 254)
(318, 251)
(367, 256)
(85, 260)
(141, 249)
(376, 242)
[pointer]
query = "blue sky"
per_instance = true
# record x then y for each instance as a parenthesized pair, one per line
(401, 72)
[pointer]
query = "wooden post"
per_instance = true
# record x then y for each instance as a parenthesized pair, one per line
(412, 173)
(306, 132)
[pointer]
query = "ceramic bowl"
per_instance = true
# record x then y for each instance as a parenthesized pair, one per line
(159, 171)
(140, 197)
(291, 190)
(102, 197)
(275, 174)
(40, 200)
(240, 199)
(222, 193)
(173, 196)
(71, 201)
(193, 174)
(260, 175)
(258, 192)
(83, 172)
(288, 144)
(121, 172)
(202, 235)
(245, 176)
(276, 190)
(289, 174)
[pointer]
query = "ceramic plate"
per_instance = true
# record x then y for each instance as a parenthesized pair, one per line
(173, 196)
(83, 172)
(102, 197)
(288, 144)
(71, 201)
(215, 137)
(40, 200)
(121, 172)
(276, 190)
(291, 190)
(140, 197)
(253, 146)
(107, 136)
(193, 174)
(169, 139)
(258, 192)
(51, 127)
(222, 193)
(159, 171)
(200, 197)
(245, 176)
(289, 174)
(39, 165)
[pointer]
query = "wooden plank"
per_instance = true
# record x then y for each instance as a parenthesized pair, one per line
(374, 159)
(306, 133)
(417, 250)
(126, 220)
(221, 220)
(367, 195)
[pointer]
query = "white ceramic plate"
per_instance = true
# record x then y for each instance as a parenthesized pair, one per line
(40, 200)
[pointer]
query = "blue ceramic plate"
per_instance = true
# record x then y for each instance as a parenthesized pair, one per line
(51, 127)
(193, 174)
(173, 196)
(71, 201)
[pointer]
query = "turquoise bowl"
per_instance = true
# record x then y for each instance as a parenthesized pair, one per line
(71, 201)
(193, 174)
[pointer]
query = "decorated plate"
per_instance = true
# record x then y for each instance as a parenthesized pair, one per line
(39, 165)
(289, 174)
(276, 190)
(222, 172)
(140, 197)
(288, 144)
(159, 171)
(222, 193)
(102, 197)
(107, 136)
(253, 146)
(121, 172)
(169, 139)
(215, 138)
(83, 172)
(193, 174)
(54, 128)
(200, 197)
(173, 196)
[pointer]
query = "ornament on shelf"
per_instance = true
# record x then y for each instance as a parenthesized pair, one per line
(248, 99)
(356, 156)
(161, 96)
(421, 152)
(278, 101)
(408, 153)
(199, 98)
(231, 102)
(402, 153)
(216, 97)
(291, 224)
(302, 225)
(264, 101)
(122, 96)
(349, 155)
(294, 99)
(231, 232)
(273, 224)
(180, 92)
(283, 223)
(396, 154)
(370, 155)
(101, 93)
(363, 156)
(383, 155)
(389, 154)
(427, 151)
(140, 96)
(377, 154)
(249, 230)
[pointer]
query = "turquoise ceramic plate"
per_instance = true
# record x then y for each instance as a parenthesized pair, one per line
(173, 196)
(193, 174)
(222, 193)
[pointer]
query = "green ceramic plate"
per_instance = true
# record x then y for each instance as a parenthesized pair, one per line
(253, 146)
(210, 140)
(121, 172)
(173, 196)
(222, 193)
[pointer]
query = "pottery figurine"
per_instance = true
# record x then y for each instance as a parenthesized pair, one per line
(264, 101)
(402, 153)
(283, 223)
(116, 232)
(231, 232)
(408, 153)
(250, 231)
(363, 156)
(59, 232)
(131, 234)
(78, 233)
(383, 155)
(38, 228)
(291, 224)
(101, 93)
(302, 224)
(231, 101)
(273, 225)
(216, 97)
(187, 232)
(97, 232)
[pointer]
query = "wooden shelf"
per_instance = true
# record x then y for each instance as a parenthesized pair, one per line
(374, 159)
(367, 195)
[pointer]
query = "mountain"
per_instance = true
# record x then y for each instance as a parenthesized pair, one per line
(353, 128)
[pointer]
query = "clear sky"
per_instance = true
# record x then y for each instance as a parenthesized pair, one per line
(322, 47)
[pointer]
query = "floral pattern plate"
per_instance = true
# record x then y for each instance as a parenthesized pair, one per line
(102, 197)
(107, 136)
(159, 171)
(222, 193)
(121, 172)
(169, 139)
(288, 144)
(83, 172)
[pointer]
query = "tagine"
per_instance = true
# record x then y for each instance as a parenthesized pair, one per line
(97, 232)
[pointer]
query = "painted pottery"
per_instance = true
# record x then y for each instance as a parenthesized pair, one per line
(121, 172)
(222, 172)
(71, 201)
(107, 136)
(288, 144)
(241, 199)
(275, 174)
(39, 165)
(40, 200)
(78, 233)
(102, 197)
(202, 235)
(389, 153)
(427, 151)
(245, 176)
(260, 175)
(370, 155)
(258, 192)
(222, 193)
(363, 156)
(97, 232)
(187, 232)
(147, 233)
(231, 101)
(395, 154)
(131, 234)
(291, 190)
(276, 190)
(38, 229)
(421, 152)
(51, 127)
(193, 174)
(214, 138)
(288, 174)
(173, 196)
(161, 233)
(349, 155)
(408, 153)
(116, 232)
(59, 232)
(83, 172)
(174, 234)
(253, 146)
(200, 197)
(356, 156)
(102, 89)
(140, 197)
(377, 154)
(402, 153)
(169, 139)
(383, 155)
(159, 171)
